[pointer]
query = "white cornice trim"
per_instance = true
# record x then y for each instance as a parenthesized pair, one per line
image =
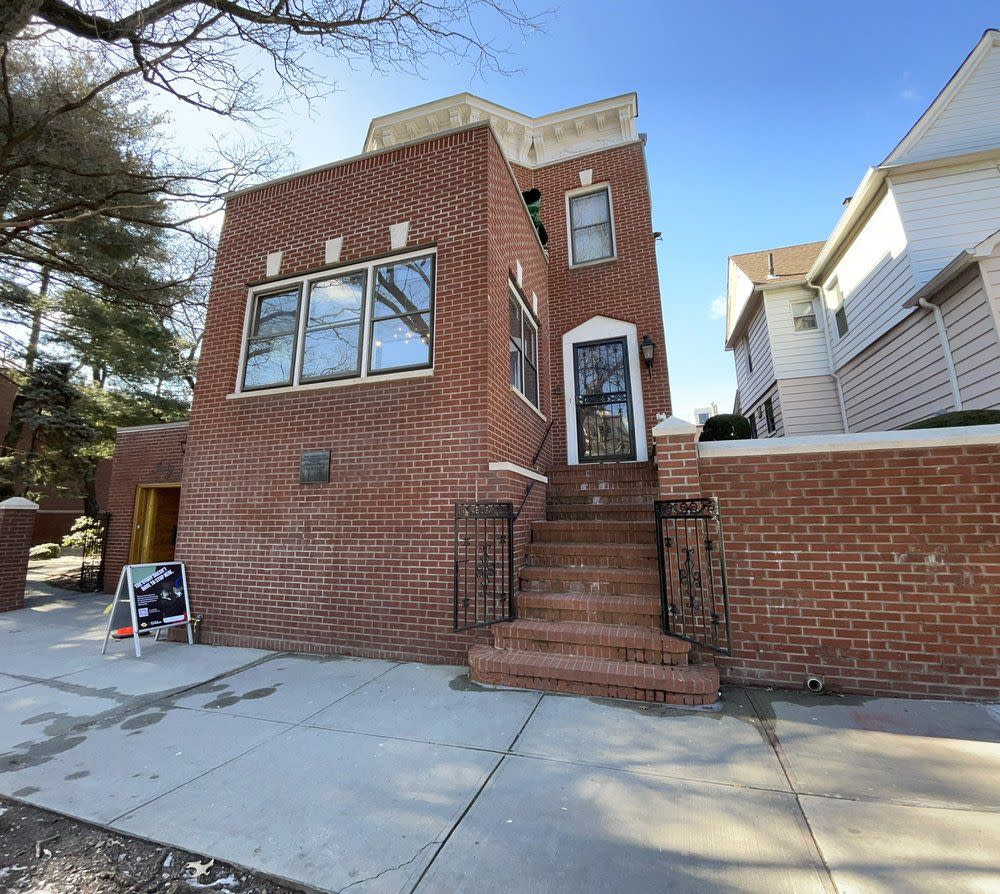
(518, 470)
(916, 439)
(156, 426)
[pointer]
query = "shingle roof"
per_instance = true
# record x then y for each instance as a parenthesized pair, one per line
(790, 263)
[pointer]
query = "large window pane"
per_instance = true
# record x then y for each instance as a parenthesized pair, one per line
(269, 361)
(531, 383)
(401, 342)
(404, 287)
(337, 300)
(590, 220)
(331, 352)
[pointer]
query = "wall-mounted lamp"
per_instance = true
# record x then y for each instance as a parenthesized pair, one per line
(648, 348)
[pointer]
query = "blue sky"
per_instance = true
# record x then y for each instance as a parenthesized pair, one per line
(761, 118)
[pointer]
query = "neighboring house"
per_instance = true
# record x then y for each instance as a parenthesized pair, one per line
(703, 414)
(387, 336)
(896, 316)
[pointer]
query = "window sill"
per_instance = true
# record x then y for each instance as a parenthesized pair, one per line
(588, 264)
(337, 383)
(529, 404)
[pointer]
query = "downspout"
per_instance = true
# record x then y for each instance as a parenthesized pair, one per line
(949, 361)
(838, 386)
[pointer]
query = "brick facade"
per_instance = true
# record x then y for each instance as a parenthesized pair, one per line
(17, 518)
(149, 455)
(875, 569)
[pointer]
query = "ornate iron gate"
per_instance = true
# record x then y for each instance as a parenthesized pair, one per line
(484, 564)
(694, 594)
(94, 545)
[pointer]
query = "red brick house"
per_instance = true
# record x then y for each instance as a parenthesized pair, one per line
(387, 336)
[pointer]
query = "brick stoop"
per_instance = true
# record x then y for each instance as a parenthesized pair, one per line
(588, 609)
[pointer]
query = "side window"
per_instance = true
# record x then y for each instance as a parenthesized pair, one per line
(591, 229)
(746, 347)
(271, 343)
(752, 418)
(804, 316)
(769, 416)
(842, 325)
(523, 349)
(839, 311)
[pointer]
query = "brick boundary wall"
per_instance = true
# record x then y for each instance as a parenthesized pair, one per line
(872, 561)
(17, 519)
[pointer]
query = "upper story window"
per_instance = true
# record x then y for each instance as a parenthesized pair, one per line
(839, 311)
(591, 226)
(769, 416)
(749, 353)
(523, 349)
(369, 319)
(804, 316)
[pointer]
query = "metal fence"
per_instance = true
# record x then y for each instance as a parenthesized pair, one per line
(484, 564)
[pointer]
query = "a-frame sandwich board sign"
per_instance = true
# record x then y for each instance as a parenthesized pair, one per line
(148, 598)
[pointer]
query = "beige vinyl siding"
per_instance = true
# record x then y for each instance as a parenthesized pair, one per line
(761, 417)
(972, 336)
(752, 385)
(944, 214)
(795, 353)
(875, 278)
(810, 406)
(903, 377)
(970, 121)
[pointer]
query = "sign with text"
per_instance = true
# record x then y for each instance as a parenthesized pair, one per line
(148, 598)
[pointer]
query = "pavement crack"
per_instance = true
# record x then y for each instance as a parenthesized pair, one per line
(372, 878)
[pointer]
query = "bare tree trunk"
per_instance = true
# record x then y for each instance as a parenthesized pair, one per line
(14, 15)
(31, 353)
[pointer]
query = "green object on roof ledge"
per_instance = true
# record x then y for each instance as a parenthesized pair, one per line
(958, 417)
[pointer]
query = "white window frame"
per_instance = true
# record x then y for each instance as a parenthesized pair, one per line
(529, 317)
(304, 283)
(811, 313)
(584, 191)
(838, 306)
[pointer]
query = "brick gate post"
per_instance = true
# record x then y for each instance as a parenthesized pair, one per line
(676, 443)
(17, 519)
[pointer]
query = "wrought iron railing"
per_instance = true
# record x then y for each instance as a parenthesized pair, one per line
(694, 592)
(534, 459)
(94, 547)
(484, 564)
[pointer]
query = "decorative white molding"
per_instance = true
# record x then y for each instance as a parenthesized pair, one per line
(156, 426)
(332, 250)
(339, 383)
(272, 266)
(534, 303)
(568, 133)
(586, 177)
(519, 470)
(17, 503)
(916, 439)
(398, 234)
(528, 403)
(518, 273)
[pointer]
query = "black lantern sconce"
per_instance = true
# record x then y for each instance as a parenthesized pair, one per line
(648, 348)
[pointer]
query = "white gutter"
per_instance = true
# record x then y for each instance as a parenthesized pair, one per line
(949, 361)
(837, 384)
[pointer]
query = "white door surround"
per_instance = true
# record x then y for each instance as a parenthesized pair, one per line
(597, 329)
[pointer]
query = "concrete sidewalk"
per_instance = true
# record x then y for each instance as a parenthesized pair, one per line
(373, 776)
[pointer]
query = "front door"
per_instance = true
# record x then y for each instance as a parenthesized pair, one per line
(155, 529)
(604, 424)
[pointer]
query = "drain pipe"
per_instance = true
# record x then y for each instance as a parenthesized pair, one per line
(949, 361)
(837, 386)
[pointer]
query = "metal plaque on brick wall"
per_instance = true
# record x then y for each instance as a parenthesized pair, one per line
(315, 467)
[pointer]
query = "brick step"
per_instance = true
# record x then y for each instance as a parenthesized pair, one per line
(599, 512)
(605, 555)
(588, 640)
(599, 677)
(590, 579)
(602, 498)
(590, 531)
(604, 489)
(606, 472)
(631, 611)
